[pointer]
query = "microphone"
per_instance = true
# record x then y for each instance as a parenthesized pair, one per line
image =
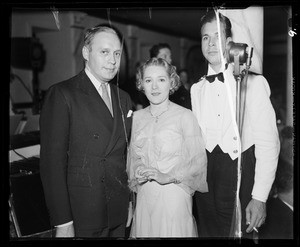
(241, 50)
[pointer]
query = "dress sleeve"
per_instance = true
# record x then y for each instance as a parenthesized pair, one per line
(191, 171)
(133, 160)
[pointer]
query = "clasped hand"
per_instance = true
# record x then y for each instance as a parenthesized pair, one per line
(144, 174)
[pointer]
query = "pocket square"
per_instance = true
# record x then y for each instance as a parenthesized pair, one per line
(129, 114)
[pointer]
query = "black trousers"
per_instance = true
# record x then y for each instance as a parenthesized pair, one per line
(214, 210)
(106, 232)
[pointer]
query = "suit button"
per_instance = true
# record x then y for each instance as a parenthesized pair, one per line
(235, 138)
(96, 136)
(102, 180)
(235, 151)
(103, 160)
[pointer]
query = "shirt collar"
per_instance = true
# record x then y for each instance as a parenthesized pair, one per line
(212, 72)
(290, 206)
(93, 79)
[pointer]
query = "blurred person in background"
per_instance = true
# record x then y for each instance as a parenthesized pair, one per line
(161, 50)
(182, 96)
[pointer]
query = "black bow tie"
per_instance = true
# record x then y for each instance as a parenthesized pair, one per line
(211, 78)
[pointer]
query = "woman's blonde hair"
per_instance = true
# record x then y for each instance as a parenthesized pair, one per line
(170, 69)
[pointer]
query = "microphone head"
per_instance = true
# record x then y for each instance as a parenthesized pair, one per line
(237, 49)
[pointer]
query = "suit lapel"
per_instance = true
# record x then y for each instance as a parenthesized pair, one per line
(106, 118)
(95, 100)
(117, 119)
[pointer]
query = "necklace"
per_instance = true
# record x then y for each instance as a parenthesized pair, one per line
(157, 117)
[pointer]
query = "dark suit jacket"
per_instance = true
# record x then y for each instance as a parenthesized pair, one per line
(182, 97)
(279, 221)
(82, 158)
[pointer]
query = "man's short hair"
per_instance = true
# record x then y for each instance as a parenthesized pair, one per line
(211, 16)
(156, 48)
(91, 32)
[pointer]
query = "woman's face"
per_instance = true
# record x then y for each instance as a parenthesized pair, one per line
(156, 84)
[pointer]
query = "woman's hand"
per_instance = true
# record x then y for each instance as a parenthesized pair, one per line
(154, 174)
(138, 174)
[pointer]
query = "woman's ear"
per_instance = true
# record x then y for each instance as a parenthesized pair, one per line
(172, 83)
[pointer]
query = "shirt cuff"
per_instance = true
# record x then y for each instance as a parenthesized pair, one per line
(66, 224)
(258, 199)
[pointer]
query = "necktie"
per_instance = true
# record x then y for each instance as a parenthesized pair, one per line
(105, 97)
(211, 78)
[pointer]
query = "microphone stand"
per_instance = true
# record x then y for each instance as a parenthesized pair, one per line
(241, 89)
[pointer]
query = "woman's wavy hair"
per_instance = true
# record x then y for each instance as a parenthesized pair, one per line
(170, 69)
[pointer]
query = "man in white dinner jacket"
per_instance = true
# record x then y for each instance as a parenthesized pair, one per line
(213, 103)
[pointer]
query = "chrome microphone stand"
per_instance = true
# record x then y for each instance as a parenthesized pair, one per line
(238, 55)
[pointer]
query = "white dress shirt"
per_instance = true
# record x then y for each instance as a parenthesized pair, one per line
(210, 104)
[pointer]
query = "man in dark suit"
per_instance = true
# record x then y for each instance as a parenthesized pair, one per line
(279, 220)
(83, 144)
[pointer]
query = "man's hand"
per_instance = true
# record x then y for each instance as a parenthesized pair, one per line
(65, 231)
(255, 214)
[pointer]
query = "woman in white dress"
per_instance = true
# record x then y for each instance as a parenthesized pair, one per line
(166, 160)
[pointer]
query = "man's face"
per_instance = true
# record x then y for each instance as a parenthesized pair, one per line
(166, 54)
(104, 56)
(210, 43)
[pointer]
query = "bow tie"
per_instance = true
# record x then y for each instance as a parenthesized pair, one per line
(211, 78)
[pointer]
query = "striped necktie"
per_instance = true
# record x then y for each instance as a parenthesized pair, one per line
(106, 98)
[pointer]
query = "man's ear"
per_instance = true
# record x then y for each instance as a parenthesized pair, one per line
(85, 53)
(229, 39)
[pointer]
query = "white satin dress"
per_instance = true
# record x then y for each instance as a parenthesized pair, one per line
(172, 144)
